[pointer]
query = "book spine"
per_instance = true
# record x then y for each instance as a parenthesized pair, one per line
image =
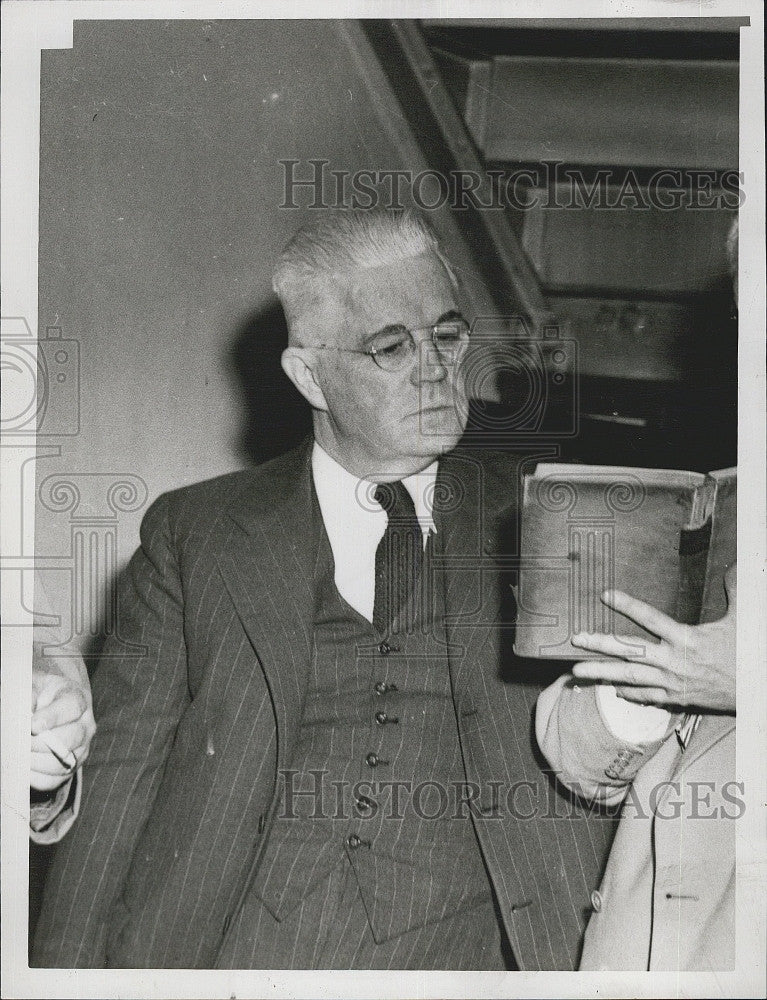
(693, 561)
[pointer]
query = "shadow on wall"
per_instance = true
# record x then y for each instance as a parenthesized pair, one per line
(275, 415)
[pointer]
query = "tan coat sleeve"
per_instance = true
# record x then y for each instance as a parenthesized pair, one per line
(585, 755)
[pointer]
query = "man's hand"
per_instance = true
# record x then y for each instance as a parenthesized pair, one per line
(692, 666)
(62, 728)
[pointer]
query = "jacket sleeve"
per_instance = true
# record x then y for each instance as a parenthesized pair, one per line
(140, 692)
(585, 754)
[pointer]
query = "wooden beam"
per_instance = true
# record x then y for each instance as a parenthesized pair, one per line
(622, 112)
(447, 146)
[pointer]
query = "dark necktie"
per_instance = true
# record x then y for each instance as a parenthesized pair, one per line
(399, 555)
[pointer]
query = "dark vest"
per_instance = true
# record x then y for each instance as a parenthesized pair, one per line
(376, 779)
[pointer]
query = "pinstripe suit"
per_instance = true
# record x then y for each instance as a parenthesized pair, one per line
(178, 793)
(411, 890)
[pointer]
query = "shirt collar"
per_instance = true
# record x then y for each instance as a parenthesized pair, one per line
(332, 479)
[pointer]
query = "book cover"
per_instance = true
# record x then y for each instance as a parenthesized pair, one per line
(662, 535)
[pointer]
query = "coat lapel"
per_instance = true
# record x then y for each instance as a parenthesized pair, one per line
(268, 569)
(711, 730)
(473, 513)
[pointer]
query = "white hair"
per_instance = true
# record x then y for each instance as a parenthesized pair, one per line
(346, 241)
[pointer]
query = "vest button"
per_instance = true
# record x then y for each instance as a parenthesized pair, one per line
(384, 648)
(381, 687)
(381, 718)
(353, 841)
(596, 901)
(363, 803)
(373, 759)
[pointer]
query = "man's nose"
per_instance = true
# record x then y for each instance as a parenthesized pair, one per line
(430, 365)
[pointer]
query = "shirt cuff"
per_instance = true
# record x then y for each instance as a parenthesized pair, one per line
(63, 800)
(627, 720)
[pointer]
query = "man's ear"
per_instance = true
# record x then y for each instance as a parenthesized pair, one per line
(298, 364)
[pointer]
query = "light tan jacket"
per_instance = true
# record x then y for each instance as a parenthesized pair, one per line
(667, 899)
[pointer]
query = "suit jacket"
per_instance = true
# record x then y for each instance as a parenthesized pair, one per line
(179, 790)
(667, 901)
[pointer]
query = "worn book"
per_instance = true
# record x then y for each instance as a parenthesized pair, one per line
(663, 535)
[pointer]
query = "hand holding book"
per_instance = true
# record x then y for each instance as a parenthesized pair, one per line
(691, 666)
(664, 536)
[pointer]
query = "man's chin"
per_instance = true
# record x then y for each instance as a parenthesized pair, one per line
(438, 444)
(441, 429)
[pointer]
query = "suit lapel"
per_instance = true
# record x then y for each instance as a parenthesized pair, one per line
(475, 557)
(268, 569)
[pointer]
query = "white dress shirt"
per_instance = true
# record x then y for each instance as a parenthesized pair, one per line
(356, 522)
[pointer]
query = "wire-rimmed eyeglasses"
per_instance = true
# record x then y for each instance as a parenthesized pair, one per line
(395, 348)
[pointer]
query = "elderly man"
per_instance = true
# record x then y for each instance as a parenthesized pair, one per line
(324, 759)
